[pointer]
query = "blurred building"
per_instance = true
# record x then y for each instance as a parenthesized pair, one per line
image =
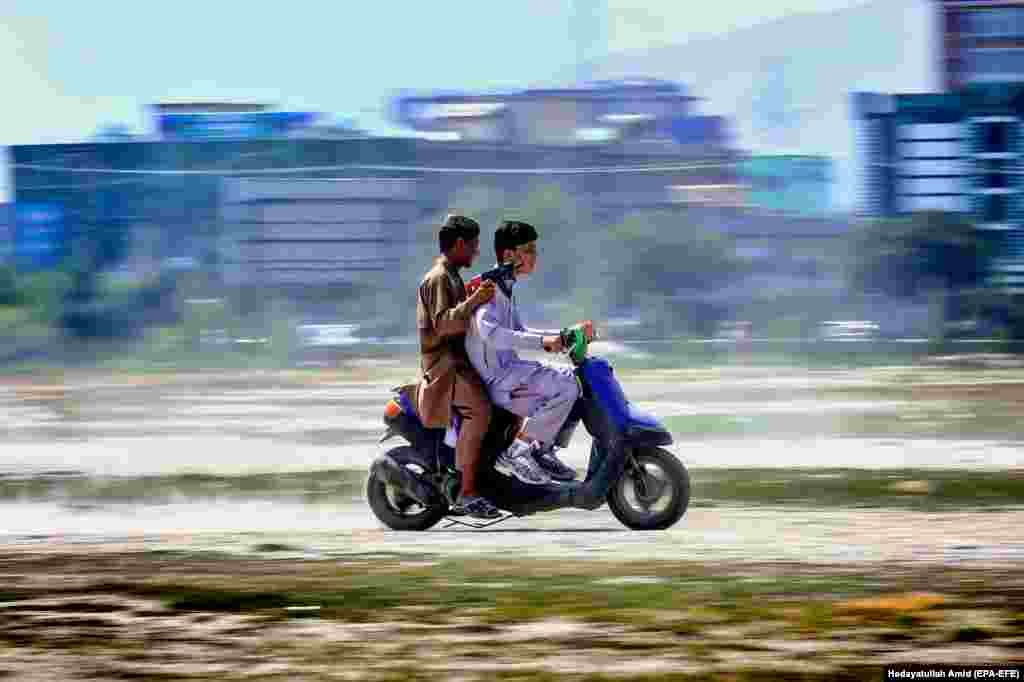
(262, 197)
(6, 232)
(621, 124)
(981, 42)
(959, 150)
(285, 231)
(919, 155)
(226, 120)
(631, 113)
(216, 181)
(797, 185)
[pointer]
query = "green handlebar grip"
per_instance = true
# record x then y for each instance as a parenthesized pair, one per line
(574, 340)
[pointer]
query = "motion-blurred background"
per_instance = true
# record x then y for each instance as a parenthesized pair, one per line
(216, 187)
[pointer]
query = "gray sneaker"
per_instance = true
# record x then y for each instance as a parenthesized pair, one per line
(518, 461)
(549, 462)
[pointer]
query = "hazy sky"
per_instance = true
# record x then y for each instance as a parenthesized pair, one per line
(69, 67)
(635, 25)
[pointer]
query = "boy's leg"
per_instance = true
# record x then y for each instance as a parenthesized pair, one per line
(559, 391)
(545, 395)
(471, 402)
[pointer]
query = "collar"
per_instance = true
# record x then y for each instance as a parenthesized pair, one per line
(510, 283)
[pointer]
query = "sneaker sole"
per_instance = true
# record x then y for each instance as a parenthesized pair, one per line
(509, 471)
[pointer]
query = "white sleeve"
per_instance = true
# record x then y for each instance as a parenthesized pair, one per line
(503, 338)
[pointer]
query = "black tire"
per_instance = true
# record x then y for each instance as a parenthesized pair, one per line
(396, 511)
(662, 469)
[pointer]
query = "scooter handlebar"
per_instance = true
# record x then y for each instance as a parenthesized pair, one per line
(574, 342)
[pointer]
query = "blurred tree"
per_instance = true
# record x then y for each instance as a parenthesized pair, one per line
(43, 293)
(9, 294)
(935, 256)
(571, 256)
(912, 256)
(660, 253)
(570, 244)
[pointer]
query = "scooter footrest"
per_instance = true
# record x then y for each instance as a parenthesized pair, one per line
(453, 521)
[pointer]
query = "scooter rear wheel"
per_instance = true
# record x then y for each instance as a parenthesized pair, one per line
(395, 510)
(655, 494)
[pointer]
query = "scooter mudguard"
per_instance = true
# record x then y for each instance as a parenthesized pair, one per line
(391, 472)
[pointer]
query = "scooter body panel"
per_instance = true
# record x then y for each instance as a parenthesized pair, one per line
(623, 420)
(615, 424)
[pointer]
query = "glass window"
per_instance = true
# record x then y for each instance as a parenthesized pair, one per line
(996, 180)
(996, 22)
(995, 209)
(995, 137)
(1008, 62)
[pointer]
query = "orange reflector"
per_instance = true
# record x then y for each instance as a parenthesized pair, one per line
(392, 409)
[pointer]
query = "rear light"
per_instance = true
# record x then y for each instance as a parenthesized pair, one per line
(392, 409)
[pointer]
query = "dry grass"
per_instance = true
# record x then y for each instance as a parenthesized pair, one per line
(180, 616)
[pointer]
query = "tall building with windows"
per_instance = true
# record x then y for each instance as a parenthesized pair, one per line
(958, 150)
(6, 232)
(982, 42)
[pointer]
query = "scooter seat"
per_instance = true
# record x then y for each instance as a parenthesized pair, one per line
(406, 404)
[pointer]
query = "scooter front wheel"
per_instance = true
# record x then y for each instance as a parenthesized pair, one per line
(395, 510)
(654, 494)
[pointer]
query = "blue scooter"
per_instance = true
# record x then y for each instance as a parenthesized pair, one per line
(414, 486)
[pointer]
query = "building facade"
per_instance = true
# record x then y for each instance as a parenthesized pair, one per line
(265, 200)
(282, 231)
(275, 195)
(258, 199)
(788, 184)
(631, 111)
(6, 232)
(958, 150)
(982, 41)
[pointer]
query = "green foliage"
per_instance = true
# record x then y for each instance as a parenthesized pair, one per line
(909, 256)
(9, 294)
(589, 269)
(661, 264)
(282, 332)
(43, 293)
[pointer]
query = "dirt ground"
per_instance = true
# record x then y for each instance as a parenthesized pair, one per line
(98, 615)
(255, 589)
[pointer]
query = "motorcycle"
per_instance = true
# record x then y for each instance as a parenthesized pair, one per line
(414, 486)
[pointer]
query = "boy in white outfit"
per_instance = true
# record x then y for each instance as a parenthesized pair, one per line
(542, 393)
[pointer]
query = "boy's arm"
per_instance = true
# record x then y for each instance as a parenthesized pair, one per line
(493, 333)
(437, 303)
